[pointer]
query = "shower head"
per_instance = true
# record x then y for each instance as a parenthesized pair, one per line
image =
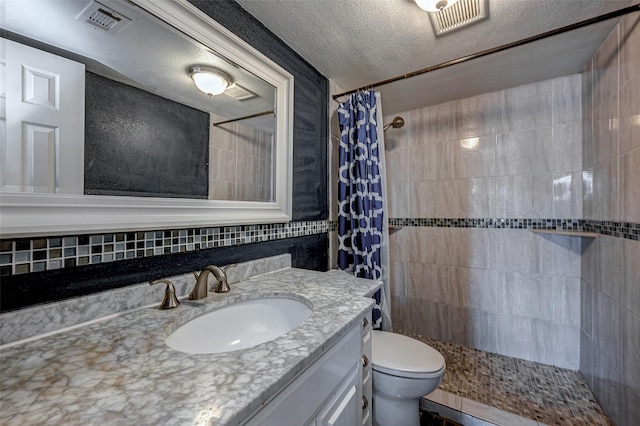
(396, 123)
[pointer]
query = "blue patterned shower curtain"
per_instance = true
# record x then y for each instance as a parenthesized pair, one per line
(362, 230)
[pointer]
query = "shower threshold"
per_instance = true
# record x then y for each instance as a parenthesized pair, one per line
(483, 388)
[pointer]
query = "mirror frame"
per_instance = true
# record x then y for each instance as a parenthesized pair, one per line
(30, 214)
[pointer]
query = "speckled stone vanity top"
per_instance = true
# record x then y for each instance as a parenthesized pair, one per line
(120, 372)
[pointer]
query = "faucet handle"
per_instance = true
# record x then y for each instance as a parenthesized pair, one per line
(221, 276)
(227, 267)
(170, 300)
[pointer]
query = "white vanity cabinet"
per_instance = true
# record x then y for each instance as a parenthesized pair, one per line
(329, 392)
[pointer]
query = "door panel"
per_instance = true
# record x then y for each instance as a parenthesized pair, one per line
(43, 147)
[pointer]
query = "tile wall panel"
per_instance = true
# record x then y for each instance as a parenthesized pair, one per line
(629, 109)
(513, 154)
(241, 159)
(516, 278)
(610, 269)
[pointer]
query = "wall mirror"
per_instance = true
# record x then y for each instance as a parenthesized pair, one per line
(104, 127)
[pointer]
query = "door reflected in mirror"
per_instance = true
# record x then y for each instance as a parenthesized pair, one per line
(145, 129)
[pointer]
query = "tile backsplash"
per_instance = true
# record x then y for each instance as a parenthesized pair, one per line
(23, 256)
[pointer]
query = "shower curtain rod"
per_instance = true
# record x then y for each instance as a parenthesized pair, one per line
(581, 24)
(233, 120)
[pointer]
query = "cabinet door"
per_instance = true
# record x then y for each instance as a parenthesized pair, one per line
(300, 401)
(343, 410)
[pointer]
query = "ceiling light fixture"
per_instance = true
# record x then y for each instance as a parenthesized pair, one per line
(434, 5)
(209, 80)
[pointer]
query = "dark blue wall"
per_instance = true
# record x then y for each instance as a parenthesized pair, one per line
(309, 190)
(142, 145)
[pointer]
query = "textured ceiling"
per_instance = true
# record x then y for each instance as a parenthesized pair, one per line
(359, 42)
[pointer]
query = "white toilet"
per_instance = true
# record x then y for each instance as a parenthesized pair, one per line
(404, 370)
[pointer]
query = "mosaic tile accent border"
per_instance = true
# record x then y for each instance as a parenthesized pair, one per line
(22, 256)
(626, 230)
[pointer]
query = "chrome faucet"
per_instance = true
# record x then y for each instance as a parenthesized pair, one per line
(200, 290)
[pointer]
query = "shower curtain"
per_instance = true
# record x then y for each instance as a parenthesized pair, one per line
(363, 234)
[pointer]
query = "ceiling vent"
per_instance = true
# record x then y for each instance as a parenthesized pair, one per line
(458, 15)
(103, 17)
(239, 93)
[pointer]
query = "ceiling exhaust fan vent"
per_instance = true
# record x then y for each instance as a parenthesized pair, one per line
(458, 15)
(103, 17)
(239, 93)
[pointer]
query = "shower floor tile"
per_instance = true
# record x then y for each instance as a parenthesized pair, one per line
(547, 394)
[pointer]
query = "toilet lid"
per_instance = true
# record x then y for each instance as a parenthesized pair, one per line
(403, 356)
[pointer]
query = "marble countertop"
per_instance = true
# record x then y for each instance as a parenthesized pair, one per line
(120, 372)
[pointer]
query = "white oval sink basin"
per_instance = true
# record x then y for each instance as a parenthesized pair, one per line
(239, 326)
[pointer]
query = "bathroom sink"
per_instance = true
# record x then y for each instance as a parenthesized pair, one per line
(239, 325)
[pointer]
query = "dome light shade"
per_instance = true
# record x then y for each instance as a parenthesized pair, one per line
(209, 80)
(434, 5)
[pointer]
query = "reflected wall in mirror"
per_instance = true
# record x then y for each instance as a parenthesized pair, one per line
(102, 109)
(241, 162)
(146, 128)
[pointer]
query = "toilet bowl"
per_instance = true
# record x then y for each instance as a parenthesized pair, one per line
(404, 370)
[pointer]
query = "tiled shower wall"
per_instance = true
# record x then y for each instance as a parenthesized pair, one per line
(240, 162)
(514, 153)
(610, 293)
(564, 300)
